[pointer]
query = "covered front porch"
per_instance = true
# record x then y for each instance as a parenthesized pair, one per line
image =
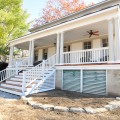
(71, 43)
(74, 46)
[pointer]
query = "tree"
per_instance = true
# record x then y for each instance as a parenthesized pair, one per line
(12, 22)
(58, 8)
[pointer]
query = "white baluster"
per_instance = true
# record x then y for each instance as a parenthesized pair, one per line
(43, 68)
(16, 68)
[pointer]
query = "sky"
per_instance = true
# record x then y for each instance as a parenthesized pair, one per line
(34, 7)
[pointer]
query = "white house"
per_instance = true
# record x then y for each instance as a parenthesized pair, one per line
(79, 52)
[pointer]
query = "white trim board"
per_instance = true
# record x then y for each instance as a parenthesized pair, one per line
(89, 67)
(66, 26)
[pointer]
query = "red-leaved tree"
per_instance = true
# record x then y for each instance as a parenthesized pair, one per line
(58, 8)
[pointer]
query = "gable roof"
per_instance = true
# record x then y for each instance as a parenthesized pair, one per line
(92, 9)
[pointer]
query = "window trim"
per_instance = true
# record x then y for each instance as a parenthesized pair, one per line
(102, 42)
(88, 41)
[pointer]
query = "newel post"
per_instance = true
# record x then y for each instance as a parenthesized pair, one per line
(24, 83)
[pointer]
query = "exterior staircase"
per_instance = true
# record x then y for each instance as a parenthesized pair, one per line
(31, 80)
(13, 84)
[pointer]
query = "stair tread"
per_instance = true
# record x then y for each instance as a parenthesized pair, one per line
(12, 89)
(16, 78)
(14, 81)
(11, 84)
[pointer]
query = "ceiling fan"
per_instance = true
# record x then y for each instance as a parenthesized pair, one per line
(91, 33)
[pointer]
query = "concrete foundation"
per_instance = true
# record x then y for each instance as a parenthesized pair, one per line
(58, 83)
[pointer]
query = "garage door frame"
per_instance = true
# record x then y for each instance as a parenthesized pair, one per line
(81, 78)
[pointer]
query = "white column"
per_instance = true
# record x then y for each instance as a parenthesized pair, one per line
(111, 40)
(11, 55)
(117, 38)
(29, 60)
(58, 48)
(61, 47)
(32, 52)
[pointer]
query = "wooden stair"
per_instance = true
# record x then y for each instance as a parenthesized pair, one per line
(14, 84)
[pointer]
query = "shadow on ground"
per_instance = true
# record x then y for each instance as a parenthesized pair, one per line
(8, 96)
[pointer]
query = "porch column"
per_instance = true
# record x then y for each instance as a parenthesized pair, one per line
(61, 47)
(111, 40)
(32, 52)
(11, 55)
(29, 60)
(58, 48)
(117, 38)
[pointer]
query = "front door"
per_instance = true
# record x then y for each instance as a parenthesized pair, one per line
(87, 55)
(45, 54)
(67, 49)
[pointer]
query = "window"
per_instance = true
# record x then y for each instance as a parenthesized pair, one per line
(87, 45)
(105, 42)
(67, 48)
(45, 53)
(36, 55)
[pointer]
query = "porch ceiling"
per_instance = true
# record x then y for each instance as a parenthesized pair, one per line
(81, 33)
(71, 35)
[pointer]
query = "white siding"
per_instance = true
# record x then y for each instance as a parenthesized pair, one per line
(97, 43)
(51, 51)
(76, 46)
(40, 54)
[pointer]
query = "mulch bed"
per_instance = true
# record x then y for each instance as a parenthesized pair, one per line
(71, 99)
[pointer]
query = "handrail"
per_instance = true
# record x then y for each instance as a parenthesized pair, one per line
(37, 72)
(7, 73)
(50, 62)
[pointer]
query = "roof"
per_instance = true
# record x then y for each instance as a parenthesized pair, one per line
(92, 9)
(97, 8)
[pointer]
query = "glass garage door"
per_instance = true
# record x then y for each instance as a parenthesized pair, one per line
(94, 82)
(71, 80)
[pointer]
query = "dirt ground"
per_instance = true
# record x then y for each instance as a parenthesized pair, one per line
(71, 99)
(17, 110)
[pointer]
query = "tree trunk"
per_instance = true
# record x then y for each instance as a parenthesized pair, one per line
(3, 58)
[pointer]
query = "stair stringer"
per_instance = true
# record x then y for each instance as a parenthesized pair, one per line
(41, 86)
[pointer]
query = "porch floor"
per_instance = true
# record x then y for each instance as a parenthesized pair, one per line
(91, 64)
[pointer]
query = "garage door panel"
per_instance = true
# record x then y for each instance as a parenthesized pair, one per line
(94, 79)
(71, 80)
(73, 88)
(90, 76)
(94, 82)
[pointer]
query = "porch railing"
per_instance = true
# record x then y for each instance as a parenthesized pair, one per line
(20, 62)
(7, 73)
(100, 55)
